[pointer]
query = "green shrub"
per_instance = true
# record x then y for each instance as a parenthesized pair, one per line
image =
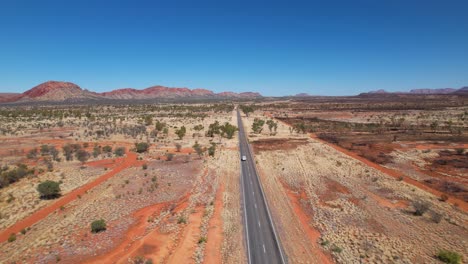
(12, 237)
(98, 226)
(449, 257)
(202, 240)
(141, 147)
(119, 152)
(49, 189)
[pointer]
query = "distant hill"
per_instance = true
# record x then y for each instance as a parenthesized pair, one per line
(55, 91)
(424, 91)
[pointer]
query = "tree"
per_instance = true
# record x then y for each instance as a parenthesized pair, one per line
(159, 126)
(148, 120)
(82, 155)
(247, 109)
(97, 151)
(198, 128)
(32, 154)
(98, 226)
(141, 147)
(107, 149)
(119, 152)
(178, 147)
(54, 152)
(213, 129)
(49, 189)
(181, 132)
(272, 126)
(212, 149)
(257, 125)
(44, 150)
(197, 147)
(228, 130)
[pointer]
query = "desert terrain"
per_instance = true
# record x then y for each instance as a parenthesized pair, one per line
(366, 180)
(164, 181)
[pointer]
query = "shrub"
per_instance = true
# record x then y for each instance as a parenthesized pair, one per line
(49, 189)
(336, 249)
(119, 152)
(12, 237)
(107, 149)
(449, 257)
(98, 226)
(460, 151)
(181, 220)
(202, 240)
(181, 132)
(169, 156)
(436, 217)
(82, 155)
(178, 147)
(141, 147)
(145, 166)
(420, 207)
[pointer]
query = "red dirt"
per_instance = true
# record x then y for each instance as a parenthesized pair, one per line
(107, 163)
(129, 161)
(184, 252)
(215, 231)
(153, 244)
(312, 233)
(396, 174)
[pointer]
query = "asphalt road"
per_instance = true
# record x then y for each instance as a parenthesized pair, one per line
(262, 243)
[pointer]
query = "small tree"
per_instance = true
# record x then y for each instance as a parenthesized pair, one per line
(119, 152)
(49, 189)
(97, 151)
(98, 226)
(212, 149)
(141, 147)
(82, 155)
(12, 237)
(181, 132)
(107, 149)
(257, 125)
(197, 147)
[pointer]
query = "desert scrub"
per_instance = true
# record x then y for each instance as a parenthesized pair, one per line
(98, 226)
(12, 237)
(450, 257)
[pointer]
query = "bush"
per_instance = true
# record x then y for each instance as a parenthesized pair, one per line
(12, 237)
(420, 207)
(449, 257)
(98, 226)
(169, 156)
(107, 149)
(145, 166)
(141, 147)
(202, 240)
(119, 152)
(49, 189)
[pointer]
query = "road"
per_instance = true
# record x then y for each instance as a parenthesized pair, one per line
(262, 243)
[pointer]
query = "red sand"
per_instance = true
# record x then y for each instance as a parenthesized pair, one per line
(129, 161)
(215, 232)
(396, 174)
(312, 233)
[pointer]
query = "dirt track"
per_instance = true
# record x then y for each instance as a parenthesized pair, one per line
(128, 161)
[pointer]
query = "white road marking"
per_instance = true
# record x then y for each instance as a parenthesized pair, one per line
(259, 223)
(255, 205)
(264, 250)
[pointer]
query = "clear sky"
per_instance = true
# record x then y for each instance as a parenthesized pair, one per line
(276, 48)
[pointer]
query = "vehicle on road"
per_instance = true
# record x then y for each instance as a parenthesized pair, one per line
(244, 158)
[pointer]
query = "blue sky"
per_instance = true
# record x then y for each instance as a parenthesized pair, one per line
(273, 47)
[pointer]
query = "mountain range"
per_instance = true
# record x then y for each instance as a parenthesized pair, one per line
(54, 91)
(463, 90)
